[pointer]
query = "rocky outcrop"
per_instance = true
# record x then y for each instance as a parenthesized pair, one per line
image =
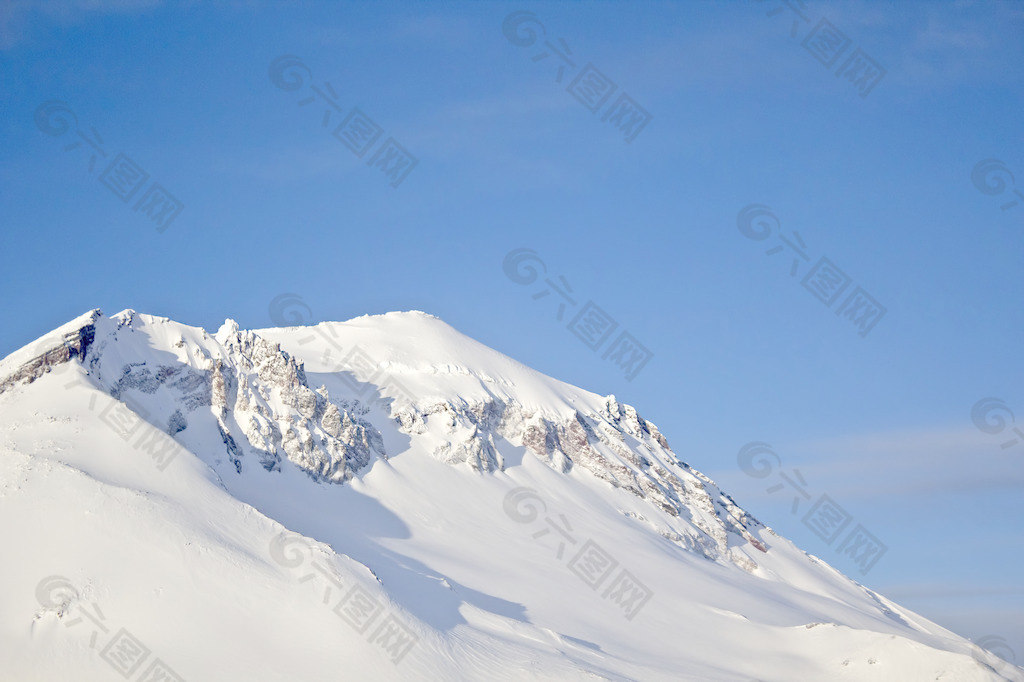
(614, 444)
(258, 396)
(53, 351)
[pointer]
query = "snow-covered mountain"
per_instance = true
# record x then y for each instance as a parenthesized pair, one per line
(387, 499)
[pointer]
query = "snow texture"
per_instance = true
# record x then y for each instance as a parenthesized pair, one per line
(387, 499)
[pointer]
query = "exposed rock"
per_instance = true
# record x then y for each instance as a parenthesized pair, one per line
(176, 423)
(53, 352)
(597, 443)
(258, 395)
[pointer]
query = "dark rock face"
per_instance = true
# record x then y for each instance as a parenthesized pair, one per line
(73, 345)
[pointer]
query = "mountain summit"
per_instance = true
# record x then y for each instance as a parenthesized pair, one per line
(388, 499)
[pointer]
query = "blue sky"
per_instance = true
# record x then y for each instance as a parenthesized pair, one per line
(859, 128)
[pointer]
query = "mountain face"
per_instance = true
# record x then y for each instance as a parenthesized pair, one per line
(386, 498)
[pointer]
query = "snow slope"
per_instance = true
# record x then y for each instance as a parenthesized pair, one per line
(387, 499)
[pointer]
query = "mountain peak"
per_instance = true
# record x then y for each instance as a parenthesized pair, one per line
(229, 328)
(387, 490)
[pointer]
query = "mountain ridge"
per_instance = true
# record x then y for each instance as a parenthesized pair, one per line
(442, 453)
